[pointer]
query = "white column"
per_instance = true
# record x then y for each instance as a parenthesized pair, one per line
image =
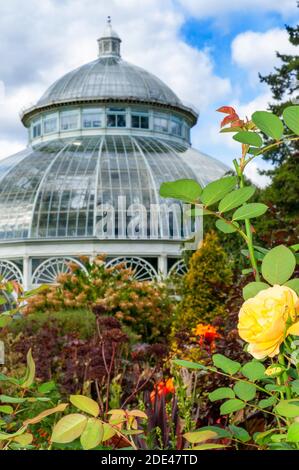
(162, 266)
(27, 268)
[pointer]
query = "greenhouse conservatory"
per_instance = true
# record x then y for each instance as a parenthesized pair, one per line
(102, 139)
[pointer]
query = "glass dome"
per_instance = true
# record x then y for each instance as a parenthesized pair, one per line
(56, 189)
(102, 140)
(109, 77)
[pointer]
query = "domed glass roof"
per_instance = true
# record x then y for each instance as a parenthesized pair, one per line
(55, 189)
(109, 77)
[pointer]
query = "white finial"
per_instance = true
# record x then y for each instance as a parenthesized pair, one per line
(109, 42)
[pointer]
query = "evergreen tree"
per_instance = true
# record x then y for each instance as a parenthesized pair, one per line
(280, 225)
(205, 289)
(284, 84)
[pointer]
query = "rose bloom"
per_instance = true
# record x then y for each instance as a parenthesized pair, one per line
(267, 319)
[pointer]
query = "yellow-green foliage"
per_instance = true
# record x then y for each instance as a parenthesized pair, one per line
(205, 288)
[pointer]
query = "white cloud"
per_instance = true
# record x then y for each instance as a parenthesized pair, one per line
(256, 52)
(9, 147)
(203, 8)
(41, 41)
(252, 172)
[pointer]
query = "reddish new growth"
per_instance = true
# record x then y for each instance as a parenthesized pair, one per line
(232, 117)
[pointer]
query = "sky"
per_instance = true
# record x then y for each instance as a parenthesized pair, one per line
(209, 52)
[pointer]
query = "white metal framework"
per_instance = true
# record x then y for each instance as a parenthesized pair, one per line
(48, 271)
(179, 268)
(142, 269)
(10, 272)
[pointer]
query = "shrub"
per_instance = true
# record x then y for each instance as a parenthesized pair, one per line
(81, 321)
(205, 289)
(143, 306)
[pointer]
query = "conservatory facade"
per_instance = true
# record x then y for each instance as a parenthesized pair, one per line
(102, 139)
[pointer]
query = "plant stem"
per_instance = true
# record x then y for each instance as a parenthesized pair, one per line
(249, 235)
(285, 377)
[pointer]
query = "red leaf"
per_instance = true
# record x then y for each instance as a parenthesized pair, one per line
(226, 110)
(230, 118)
(238, 123)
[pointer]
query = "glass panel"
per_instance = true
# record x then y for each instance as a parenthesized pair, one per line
(135, 121)
(111, 120)
(50, 124)
(161, 123)
(121, 121)
(93, 118)
(144, 122)
(176, 126)
(139, 121)
(36, 129)
(69, 120)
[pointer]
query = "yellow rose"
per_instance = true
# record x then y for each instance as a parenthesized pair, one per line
(263, 320)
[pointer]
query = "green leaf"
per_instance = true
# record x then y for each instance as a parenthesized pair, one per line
(3, 300)
(236, 198)
(46, 387)
(278, 265)
(198, 212)
(288, 408)
(4, 321)
(226, 227)
(216, 190)
(250, 211)
(200, 436)
(221, 432)
(69, 428)
(266, 402)
(254, 288)
(221, 393)
(245, 391)
(209, 447)
(7, 437)
(253, 370)
(268, 123)
(293, 284)
(44, 414)
(92, 435)
(85, 404)
(8, 399)
(295, 386)
(24, 439)
(108, 432)
(30, 371)
(230, 406)
(247, 271)
(293, 433)
(189, 364)
(185, 190)
(249, 138)
(291, 118)
(255, 150)
(227, 365)
(239, 433)
(6, 409)
(275, 388)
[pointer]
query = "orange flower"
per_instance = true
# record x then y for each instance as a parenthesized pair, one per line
(207, 334)
(163, 388)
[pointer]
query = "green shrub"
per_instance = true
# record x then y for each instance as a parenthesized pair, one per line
(145, 307)
(79, 321)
